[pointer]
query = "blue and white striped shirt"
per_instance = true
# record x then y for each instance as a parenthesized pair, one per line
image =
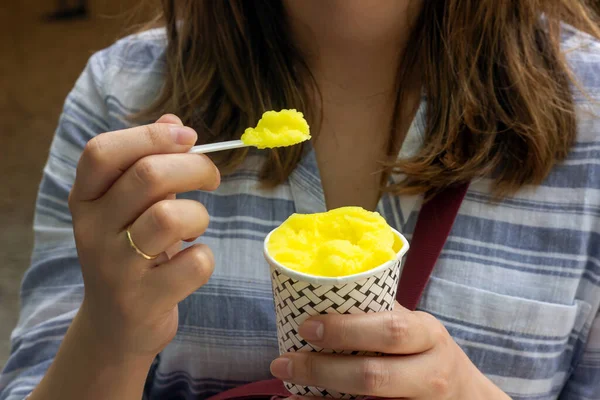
(517, 284)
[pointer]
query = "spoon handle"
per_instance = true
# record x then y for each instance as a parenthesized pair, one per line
(212, 147)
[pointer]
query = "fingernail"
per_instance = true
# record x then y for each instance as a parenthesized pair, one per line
(312, 330)
(282, 368)
(183, 135)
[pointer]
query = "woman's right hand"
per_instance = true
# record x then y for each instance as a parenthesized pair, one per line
(129, 178)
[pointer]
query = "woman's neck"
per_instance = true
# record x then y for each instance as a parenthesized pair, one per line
(353, 47)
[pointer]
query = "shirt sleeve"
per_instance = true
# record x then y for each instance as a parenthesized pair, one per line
(584, 382)
(52, 288)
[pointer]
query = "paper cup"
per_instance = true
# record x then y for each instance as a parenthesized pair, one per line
(299, 296)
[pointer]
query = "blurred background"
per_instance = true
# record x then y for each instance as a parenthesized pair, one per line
(44, 46)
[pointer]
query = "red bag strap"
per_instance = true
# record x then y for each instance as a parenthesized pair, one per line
(433, 227)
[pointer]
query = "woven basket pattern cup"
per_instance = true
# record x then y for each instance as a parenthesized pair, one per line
(299, 296)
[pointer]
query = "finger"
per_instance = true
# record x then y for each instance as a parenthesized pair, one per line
(168, 222)
(394, 332)
(154, 177)
(399, 376)
(106, 156)
(189, 270)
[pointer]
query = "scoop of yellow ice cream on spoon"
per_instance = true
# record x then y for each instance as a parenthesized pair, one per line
(278, 129)
(275, 129)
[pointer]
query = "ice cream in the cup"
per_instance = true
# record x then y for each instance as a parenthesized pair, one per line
(341, 242)
(344, 261)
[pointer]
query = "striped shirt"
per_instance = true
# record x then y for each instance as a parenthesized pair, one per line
(517, 284)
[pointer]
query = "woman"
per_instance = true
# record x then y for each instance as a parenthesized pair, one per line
(404, 98)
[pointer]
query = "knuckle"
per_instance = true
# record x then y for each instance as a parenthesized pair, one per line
(163, 217)
(439, 383)
(153, 133)
(375, 376)
(94, 151)
(342, 332)
(308, 368)
(395, 327)
(146, 172)
(203, 264)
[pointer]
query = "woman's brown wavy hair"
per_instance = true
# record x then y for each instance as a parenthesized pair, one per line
(499, 91)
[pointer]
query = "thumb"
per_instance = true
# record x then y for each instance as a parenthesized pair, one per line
(170, 119)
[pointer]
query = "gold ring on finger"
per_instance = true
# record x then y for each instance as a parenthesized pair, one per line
(137, 249)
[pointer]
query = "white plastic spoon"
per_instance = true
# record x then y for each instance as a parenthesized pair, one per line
(209, 148)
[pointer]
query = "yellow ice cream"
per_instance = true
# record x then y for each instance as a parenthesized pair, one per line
(278, 129)
(340, 242)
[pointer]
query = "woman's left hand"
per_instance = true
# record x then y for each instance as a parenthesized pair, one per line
(422, 360)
